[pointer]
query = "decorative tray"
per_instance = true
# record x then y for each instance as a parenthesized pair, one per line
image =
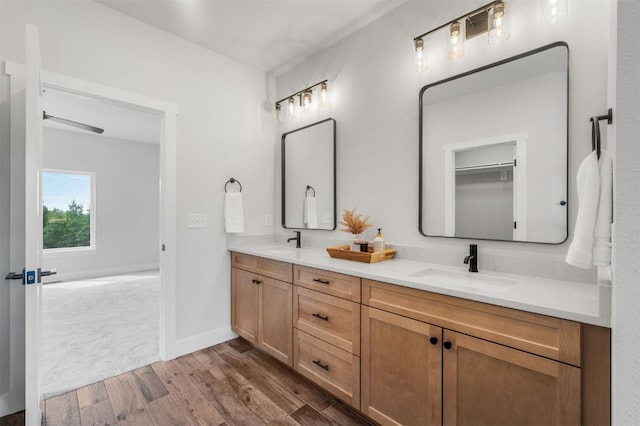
(343, 252)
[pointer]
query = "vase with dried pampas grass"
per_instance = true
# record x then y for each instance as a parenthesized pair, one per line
(354, 224)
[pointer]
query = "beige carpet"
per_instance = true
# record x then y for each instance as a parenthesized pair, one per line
(98, 328)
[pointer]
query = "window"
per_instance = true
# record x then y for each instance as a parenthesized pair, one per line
(68, 210)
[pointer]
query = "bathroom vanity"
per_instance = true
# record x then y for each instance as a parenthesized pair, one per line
(407, 342)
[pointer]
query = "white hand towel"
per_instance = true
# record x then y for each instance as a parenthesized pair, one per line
(588, 182)
(602, 231)
(310, 212)
(233, 212)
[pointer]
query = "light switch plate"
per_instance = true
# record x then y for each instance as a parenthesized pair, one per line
(197, 220)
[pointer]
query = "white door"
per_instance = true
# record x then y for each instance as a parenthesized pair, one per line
(33, 225)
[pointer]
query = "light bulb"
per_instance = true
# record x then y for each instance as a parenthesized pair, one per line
(455, 48)
(278, 114)
(419, 62)
(291, 106)
(323, 94)
(497, 31)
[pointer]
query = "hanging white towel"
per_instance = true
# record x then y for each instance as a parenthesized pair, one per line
(580, 252)
(310, 212)
(233, 212)
(602, 230)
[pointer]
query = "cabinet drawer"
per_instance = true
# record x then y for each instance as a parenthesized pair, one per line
(334, 320)
(331, 368)
(270, 268)
(340, 285)
(538, 334)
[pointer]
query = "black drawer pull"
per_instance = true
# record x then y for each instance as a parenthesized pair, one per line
(257, 282)
(322, 317)
(319, 364)
(321, 281)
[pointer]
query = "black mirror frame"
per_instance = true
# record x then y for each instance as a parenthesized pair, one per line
(476, 70)
(283, 175)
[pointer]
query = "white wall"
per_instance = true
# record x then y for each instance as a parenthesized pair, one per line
(127, 185)
(626, 285)
(222, 131)
(374, 99)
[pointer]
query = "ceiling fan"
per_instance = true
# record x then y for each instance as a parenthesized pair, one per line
(72, 123)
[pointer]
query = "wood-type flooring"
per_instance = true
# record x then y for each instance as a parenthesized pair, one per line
(228, 384)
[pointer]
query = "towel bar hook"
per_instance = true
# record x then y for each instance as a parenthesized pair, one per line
(232, 180)
(310, 188)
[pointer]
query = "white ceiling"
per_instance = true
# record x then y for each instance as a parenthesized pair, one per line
(270, 35)
(118, 121)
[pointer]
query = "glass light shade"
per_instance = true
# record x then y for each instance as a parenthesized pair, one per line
(498, 30)
(552, 10)
(291, 107)
(278, 113)
(323, 94)
(455, 41)
(419, 57)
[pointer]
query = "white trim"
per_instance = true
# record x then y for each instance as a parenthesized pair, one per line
(94, 273)
(92, 213)
(169, 113)
(519, 179)
(204, 340)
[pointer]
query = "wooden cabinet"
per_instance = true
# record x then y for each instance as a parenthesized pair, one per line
(484, 380)
(401, 369)
(490, 384)
(327, 331)
(403, 356)
(261, 311)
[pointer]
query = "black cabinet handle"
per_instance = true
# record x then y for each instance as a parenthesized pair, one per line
(322, 317)
(257, 282)
(319, 364)
(321, 281)
(433, 340)
(447, 345)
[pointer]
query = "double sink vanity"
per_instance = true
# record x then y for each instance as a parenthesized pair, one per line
(408, 342)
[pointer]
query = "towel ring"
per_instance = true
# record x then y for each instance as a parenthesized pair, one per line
(595, 130)
(232, 180)
(310, 188)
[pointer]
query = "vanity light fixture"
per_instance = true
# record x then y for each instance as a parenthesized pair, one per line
(305, 99)
(278, 114)
(489, 19)
(551, 11)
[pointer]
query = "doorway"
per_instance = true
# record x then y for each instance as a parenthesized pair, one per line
(20, 391)
(100, 190)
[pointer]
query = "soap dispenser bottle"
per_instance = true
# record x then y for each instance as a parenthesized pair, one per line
(378, 242)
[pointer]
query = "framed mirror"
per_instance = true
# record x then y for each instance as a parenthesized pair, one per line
(309, 177)
(493, 150)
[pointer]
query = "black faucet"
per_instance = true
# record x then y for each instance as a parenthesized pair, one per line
(472, 259)
(297, 238)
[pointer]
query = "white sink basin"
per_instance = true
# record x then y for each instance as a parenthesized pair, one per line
(470, 281)
(281, 251)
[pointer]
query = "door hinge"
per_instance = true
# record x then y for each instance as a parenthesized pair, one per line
(515, 162)
(515, 225)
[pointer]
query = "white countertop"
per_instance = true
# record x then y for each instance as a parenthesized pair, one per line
(586, 303)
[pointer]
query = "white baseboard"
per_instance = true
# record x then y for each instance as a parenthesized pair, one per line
(95, 273)
(204, 340)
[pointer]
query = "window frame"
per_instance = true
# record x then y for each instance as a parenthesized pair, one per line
(91, 248)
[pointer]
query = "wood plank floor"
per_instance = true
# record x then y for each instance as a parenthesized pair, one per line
(228, 384)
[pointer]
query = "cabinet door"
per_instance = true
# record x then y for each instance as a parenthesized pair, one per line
(276, 319)
(244, 304)
(401, 372)
(490, 384)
